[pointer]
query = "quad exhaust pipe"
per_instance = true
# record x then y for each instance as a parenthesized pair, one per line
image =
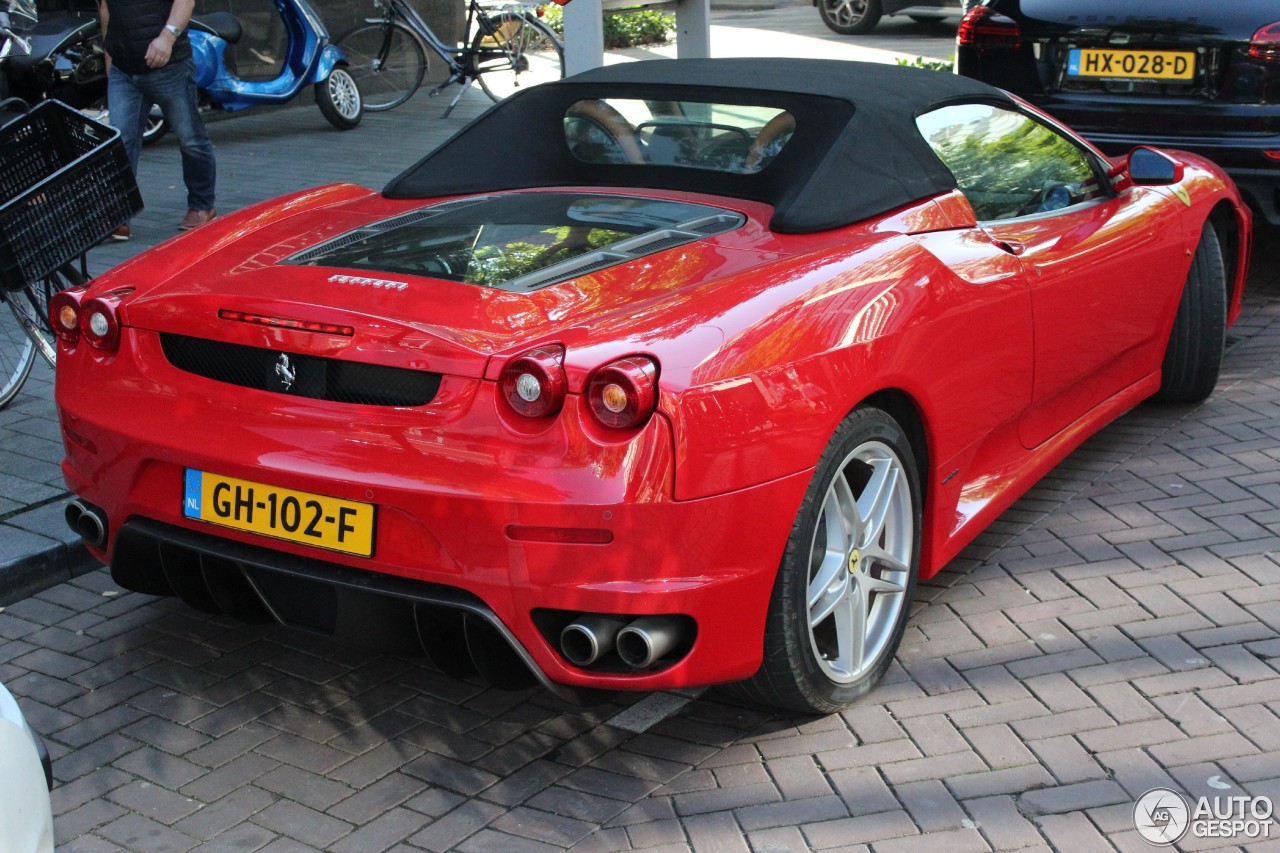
(88, 521)
(639, 642)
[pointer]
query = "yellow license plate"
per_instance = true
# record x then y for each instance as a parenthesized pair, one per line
(1132, 64)
(325, 522)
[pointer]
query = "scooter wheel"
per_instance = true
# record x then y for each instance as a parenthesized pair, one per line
(338, 97)
(154, 130)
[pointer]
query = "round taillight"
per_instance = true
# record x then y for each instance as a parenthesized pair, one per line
(534, 383)
(64, 314)
(99, 324)
(624, 394)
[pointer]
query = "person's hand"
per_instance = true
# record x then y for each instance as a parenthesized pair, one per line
(159, 50)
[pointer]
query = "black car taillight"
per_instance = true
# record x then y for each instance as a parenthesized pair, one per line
(982, 27)
(534, 383)
(624, 394)
(1265, 43)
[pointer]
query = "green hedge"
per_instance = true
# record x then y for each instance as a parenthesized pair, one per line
(627, 28)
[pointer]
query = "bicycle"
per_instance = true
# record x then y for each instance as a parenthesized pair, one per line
(65, 187)
(505, 50)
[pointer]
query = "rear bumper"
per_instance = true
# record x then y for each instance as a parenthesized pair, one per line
(447, 497)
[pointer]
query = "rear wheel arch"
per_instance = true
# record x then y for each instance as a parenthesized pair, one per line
(904, 409)
(1226, 224)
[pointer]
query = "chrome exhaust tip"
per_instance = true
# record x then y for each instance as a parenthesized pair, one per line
(647, 639)
(584, 640)
(72, 514)
(89, 522)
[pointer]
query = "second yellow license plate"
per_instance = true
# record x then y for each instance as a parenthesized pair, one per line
(1132, 64)
(325, 522)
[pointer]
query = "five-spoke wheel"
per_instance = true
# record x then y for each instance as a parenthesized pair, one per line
(860, 562)
(843, 591)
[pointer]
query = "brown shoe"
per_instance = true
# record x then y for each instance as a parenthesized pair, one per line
(121, 234)
(196, 218)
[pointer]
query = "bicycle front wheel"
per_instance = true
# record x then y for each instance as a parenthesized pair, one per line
(386, 61)
(516, 51)
(17, 352)
(28, 311)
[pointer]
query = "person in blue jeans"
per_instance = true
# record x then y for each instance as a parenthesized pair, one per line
(149, 62)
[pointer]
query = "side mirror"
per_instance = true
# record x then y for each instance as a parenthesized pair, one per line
(1150, 167)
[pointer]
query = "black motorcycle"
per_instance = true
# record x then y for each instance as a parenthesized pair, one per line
(17, 17)
(65, 62)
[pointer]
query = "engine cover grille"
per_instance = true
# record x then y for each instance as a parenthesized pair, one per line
(298, 375)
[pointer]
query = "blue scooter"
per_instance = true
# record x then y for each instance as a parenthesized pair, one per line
(310, 58)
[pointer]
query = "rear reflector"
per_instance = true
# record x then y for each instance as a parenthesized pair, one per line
(287, 323)
(573, 535)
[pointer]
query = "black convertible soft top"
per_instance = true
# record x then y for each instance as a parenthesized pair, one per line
(855, 152)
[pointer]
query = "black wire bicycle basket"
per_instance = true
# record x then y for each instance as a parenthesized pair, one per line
(65, 185)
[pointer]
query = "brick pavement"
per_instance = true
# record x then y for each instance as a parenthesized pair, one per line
(1117, 629)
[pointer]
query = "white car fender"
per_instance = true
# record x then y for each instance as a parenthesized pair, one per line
(26, 819)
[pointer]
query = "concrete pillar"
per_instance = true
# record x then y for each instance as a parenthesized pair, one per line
(693, 29)
(584, 31)
(583, 36)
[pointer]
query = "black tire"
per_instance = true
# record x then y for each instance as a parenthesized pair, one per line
(388, 63)
(850, 17)
(515, 51)
(338, 97)
(856, 541)
(1197, 341)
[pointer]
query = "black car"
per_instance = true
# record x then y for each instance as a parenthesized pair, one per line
(1189, 74)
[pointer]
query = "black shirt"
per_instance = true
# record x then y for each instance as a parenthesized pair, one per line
(131, 26)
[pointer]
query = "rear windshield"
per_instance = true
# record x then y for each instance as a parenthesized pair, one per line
(720, 137)
(520, 241)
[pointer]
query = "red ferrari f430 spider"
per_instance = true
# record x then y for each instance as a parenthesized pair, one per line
(652, 377)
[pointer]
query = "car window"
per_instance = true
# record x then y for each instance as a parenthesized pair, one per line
(735, 138)
(1008, 164)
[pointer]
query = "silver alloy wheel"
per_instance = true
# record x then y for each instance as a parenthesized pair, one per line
(859, 562)
(846, 12)
(344, 93)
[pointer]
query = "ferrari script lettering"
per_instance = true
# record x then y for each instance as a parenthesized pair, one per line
(380, 283)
